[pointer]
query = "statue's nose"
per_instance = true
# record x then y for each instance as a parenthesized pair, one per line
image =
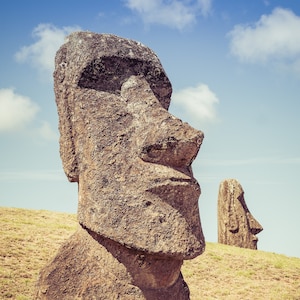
(173, 143)
(255, 227)
(164, 139)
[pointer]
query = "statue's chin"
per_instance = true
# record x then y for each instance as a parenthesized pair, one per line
(155, 226)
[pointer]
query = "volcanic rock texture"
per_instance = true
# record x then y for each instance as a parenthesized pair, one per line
(138, 199)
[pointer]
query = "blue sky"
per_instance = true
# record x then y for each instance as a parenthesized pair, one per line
(235, 71)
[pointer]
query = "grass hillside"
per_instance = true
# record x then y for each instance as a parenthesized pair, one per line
(29, 238)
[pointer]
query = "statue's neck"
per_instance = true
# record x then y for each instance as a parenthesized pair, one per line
(147, 270)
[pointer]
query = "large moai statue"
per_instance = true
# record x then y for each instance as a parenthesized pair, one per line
(138, 200)
(236, 225)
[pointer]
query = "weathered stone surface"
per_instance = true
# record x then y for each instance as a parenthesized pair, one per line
(132, 161)
(236, 225)
(89, 266)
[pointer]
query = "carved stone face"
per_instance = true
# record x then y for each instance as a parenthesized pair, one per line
(236, 225)
(131, 158)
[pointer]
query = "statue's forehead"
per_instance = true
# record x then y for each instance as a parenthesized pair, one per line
(104, 62)
(233, 188)
(96, 44)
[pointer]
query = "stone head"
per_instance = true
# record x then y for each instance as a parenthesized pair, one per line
(236, 225)
(130, 157)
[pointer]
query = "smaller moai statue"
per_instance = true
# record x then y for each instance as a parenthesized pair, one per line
(236, 225)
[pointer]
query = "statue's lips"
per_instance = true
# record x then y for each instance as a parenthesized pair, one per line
(162, 180)
(183, 185)
(186, 180)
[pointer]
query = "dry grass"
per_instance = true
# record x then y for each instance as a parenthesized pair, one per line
(226, 272)
(29, 238)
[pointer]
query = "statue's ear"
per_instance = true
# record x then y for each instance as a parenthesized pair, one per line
(67, 144)
(65, 103)
(233, 223)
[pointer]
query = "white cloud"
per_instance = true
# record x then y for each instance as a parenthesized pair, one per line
(16, 111)
(39, 175)
(46, 132)
(275, 37)
(198, 103)
(41, 54)
(205, 6)
(172, 13)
